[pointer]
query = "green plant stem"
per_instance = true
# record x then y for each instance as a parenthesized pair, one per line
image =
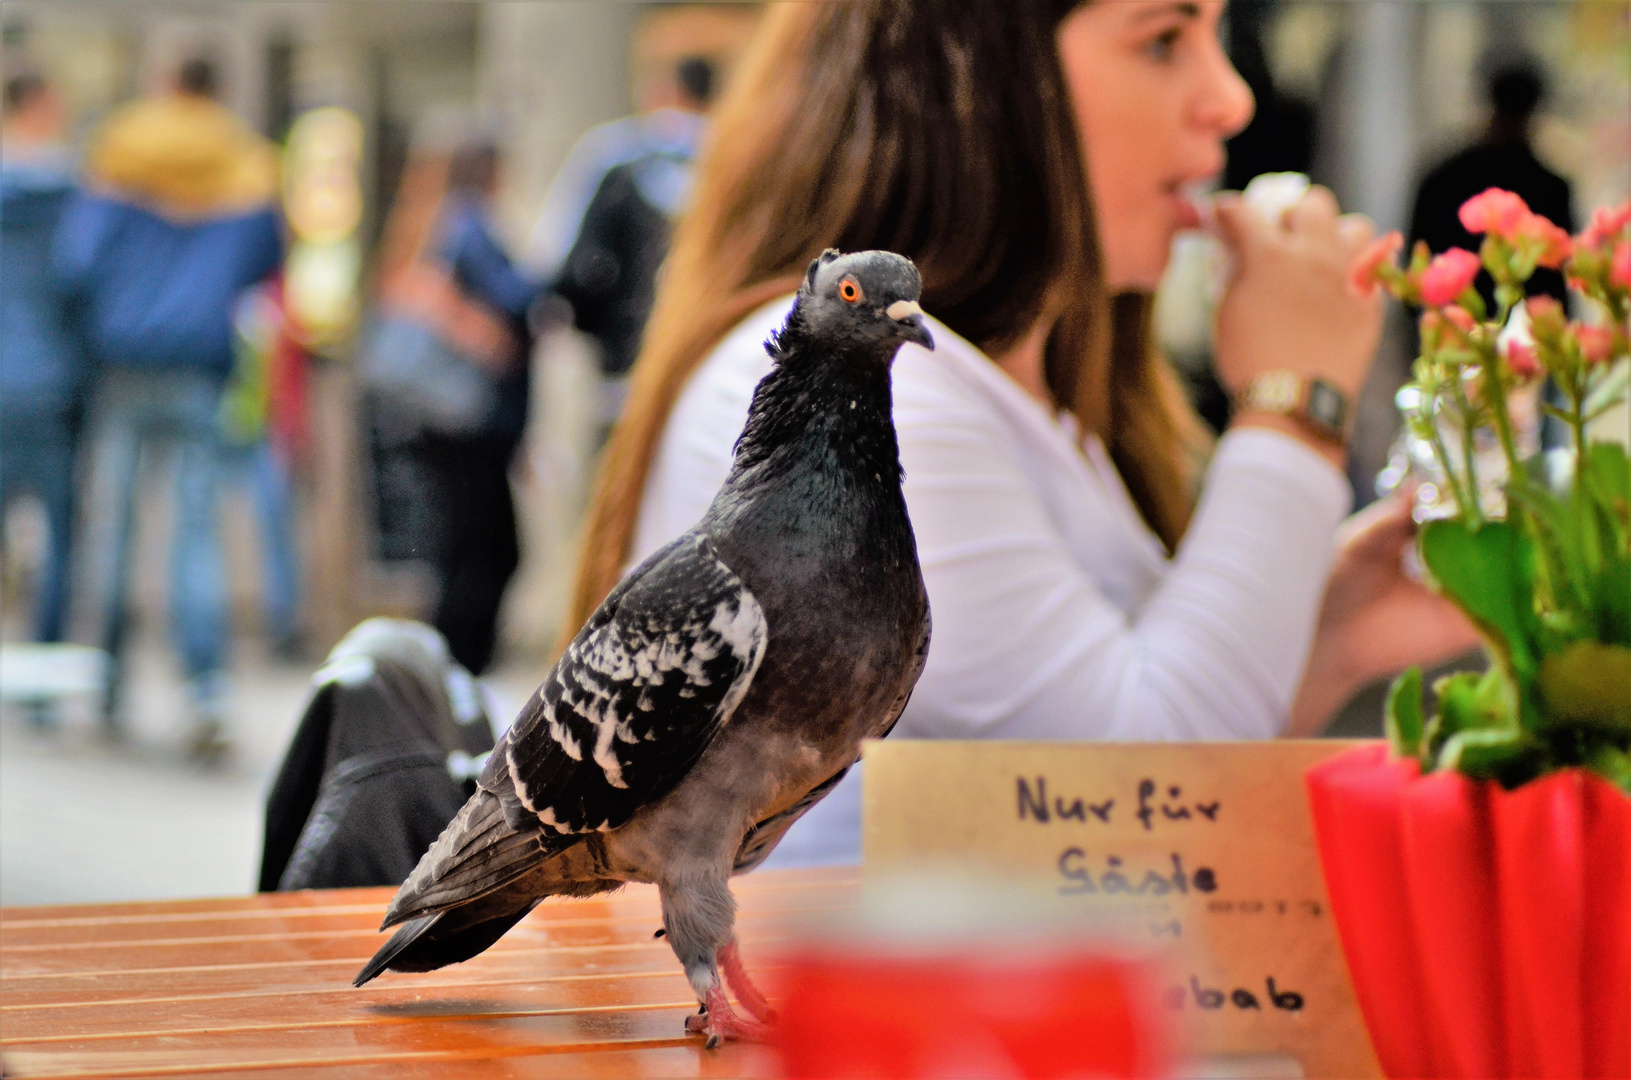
(1473, 508)
(1577, 420)
(1495, 390)
(1442, 453)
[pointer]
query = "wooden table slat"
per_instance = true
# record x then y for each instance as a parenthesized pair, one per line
(225, 986)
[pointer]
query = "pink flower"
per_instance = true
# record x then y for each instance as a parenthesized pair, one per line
(1521, 359)
(1448, 276)
(1460, 318)
(1606, 223)
(1495, 211)
(1543, 307)
(1362, 271)
(1553, 243)
(1596, 343)
(1619, 267)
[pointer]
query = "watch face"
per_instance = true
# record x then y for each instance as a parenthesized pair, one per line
(1327, 406)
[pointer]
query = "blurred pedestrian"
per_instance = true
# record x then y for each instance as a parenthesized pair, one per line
(447, 365)
(1503, 156)
(607, 218)
(42, 364)
(178, 219)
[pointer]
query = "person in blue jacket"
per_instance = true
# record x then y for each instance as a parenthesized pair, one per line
(476, 549)
(42, 365)
(177, 218)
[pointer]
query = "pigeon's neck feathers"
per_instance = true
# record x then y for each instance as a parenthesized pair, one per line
(825, 405)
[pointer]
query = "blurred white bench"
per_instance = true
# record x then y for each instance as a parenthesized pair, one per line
(41, 673)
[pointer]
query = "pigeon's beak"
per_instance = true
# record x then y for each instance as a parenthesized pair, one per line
(909, 316)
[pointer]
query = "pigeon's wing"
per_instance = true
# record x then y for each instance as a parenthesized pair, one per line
(637, 697)
(623, 715)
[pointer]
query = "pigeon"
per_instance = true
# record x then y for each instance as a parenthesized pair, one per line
(726, 683)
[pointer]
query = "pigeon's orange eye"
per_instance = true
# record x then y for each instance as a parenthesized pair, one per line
(849, 290)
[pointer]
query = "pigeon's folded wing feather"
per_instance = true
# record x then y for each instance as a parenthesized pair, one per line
(637, 697)
(620, 719)
(476, 854)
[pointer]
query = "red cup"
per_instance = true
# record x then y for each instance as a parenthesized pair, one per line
(860, 1009)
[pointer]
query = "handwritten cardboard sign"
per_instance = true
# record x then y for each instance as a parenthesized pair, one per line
(1213, 841)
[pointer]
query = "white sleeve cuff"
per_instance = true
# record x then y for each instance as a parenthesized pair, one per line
(1290, 460)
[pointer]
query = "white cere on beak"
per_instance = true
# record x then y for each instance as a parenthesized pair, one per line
(903, 309)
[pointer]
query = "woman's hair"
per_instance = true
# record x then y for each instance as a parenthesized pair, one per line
(939, 129)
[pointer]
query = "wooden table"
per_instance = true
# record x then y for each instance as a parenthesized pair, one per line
(262, 985)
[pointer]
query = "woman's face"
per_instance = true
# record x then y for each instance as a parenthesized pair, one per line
(1155, 98)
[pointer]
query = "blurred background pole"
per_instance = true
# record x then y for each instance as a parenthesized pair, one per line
(1370, 152)
(1376, 95)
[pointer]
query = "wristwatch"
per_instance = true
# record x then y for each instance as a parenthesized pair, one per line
(1310, 400)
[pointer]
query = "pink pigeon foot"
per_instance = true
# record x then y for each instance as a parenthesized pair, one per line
(719, 1022)
(730, 963)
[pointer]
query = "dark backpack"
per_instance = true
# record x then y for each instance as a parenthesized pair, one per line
(386, 753)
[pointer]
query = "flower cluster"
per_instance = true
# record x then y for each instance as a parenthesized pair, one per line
(1547, 575)
(1475, 358)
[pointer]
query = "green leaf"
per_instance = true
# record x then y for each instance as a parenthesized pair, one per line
(1612, 763)
(1587, 684)
(1472, 700)
(1606, 473)
(1485, 572)
(1561, 577)
(1404, 721)
(1474, 303)
(1614, 602)
(1509, 756)
(1604, 491)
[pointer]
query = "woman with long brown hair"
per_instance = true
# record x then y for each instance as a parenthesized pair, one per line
(1032, 157)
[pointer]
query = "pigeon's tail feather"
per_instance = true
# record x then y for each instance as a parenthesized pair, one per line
(401, 940)
(447, 937)
(476, 854)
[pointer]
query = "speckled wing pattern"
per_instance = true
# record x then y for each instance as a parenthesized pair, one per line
(637, 697)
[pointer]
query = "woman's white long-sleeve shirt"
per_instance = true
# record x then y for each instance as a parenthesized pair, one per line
(1057, 615)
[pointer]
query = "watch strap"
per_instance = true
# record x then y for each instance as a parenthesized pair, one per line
(1313, 402)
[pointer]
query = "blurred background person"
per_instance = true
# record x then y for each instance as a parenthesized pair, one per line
(178, 218)
(454, 324)
(1502, 156)
(604, 229)
(43, 368)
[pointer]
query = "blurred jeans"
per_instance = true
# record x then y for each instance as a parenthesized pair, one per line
(37, 458)
(137, 412)
(265, 475)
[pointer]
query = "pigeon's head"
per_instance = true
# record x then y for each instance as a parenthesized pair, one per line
(867, 298)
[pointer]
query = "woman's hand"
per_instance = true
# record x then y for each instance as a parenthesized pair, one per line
(1375, 621)
(1290, 306)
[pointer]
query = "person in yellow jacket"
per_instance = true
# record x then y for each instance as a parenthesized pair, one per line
(177, 218)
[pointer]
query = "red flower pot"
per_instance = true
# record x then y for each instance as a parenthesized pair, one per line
(1488, 931)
